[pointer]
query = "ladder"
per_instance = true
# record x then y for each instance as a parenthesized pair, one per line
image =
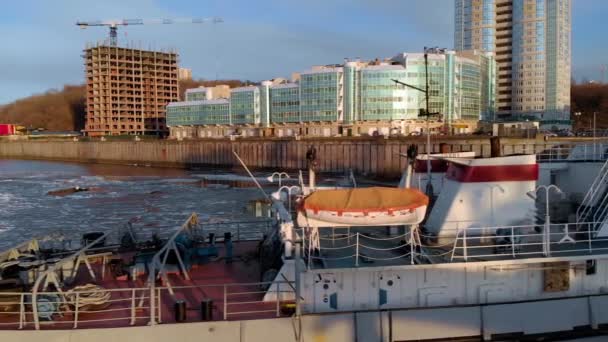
(594, 207)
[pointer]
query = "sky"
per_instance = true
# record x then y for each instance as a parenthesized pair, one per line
(258, 40)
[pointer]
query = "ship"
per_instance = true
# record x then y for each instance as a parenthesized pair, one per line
(510, 247)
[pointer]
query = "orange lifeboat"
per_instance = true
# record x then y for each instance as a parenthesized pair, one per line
(375, 206)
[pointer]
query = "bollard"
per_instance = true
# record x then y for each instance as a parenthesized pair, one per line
(180, 311)
(207, 310)
(228, 246)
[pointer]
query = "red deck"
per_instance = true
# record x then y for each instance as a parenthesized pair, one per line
(207, 283)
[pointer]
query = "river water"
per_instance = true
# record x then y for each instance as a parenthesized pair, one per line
(154, 198)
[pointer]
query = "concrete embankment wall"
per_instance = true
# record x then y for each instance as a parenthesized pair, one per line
(374, 156)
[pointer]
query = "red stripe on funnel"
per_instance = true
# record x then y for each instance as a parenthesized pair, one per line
(492, 173)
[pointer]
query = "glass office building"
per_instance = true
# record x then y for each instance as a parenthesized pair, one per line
(192, 113)
(285, 103)
(196, 94)
(321, 94)
(378, 97)
(461, 87)
(245, 106)
(532, 43)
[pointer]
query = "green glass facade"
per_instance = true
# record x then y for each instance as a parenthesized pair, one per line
(265, 103)
(455, 85)
(245, 105)
(351, 84)
(379, 98)
(212, 112)
(488, 69)
(469, 92)
(285, 103)
(196, 94)
(320, 95)
(460, 87)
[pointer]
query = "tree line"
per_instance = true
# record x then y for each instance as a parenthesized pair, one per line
(64, 109)
(587, 99)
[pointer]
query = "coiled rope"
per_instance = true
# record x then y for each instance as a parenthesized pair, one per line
(88, 295)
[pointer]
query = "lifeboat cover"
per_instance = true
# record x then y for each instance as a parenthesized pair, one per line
(374, 199)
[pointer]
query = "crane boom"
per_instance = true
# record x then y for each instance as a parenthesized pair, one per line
(113, 24)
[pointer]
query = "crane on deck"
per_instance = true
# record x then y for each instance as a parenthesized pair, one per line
(113, 24)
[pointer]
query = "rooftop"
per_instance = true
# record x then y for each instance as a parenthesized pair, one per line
(198, 102)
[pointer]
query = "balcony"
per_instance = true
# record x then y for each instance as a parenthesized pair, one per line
(506, 41)
(507, 25)
(504, 18)
(503, 51)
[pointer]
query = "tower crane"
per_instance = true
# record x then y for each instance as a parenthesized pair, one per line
(113, 24)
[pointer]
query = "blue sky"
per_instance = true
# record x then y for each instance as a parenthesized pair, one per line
(259, 39)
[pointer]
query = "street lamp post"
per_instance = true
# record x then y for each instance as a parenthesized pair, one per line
(289, 189)
(594, 131)
(578, 114)
(547, 225)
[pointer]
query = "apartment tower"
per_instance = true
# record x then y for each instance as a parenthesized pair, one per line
(531, 40)
(128, 90)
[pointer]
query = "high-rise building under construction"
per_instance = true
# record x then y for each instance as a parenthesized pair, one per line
(128, 90)
(531, 40)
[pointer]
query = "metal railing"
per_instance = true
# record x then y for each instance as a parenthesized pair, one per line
(358, 249)
(469, 243)
(72, 309)
(253, 230)
(141, 306)
(573, 152)
(525, 241)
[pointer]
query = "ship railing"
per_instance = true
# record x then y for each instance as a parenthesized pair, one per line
(357, 249)
(470, 242)
(105, 308)
(96, 307)
(252, 230)
(228, 301)
(243, 230)
(524, 241)
(573, 152)
(554, 153)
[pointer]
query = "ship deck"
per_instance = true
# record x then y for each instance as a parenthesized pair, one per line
(233, 288)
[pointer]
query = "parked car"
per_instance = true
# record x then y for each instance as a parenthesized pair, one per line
(548, 134)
